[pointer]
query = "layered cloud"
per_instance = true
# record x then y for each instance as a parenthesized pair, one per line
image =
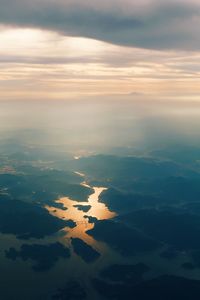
(75, 48)
(151, 24)
(40, 64)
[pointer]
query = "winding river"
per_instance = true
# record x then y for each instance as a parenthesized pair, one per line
(71, 211)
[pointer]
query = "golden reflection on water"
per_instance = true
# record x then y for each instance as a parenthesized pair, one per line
(97, 210)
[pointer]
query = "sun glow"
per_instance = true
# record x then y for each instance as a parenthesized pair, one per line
(39, 64)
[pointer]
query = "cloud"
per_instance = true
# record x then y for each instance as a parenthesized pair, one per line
(151, 24)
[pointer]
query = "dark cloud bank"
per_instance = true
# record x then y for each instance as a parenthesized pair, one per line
(147, 23)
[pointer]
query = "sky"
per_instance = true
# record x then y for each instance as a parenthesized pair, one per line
(56, 49)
